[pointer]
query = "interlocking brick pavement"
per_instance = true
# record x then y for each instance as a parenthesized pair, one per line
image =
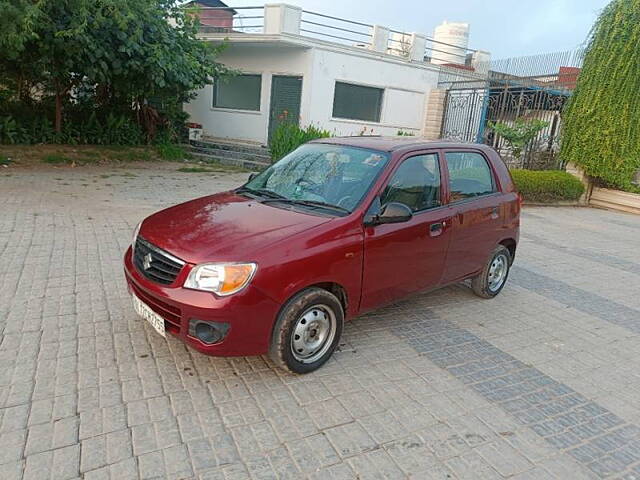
(539, 383)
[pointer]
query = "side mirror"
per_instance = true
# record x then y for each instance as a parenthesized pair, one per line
(395, 212)
(252, 175)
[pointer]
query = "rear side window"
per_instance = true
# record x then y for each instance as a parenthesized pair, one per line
(416, 183)
(469, 175)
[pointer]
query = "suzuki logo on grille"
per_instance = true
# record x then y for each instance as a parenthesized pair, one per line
(146, 261)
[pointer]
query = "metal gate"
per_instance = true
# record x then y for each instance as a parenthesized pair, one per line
(469, 112)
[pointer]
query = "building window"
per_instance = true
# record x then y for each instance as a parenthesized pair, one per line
(469, 175)
(241, 92)
(355, 102)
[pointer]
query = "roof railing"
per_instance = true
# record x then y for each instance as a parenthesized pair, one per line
(251, 19)
(323, 26)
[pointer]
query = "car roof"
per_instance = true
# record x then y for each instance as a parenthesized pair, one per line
(391, 144)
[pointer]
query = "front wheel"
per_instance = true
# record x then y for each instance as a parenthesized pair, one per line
(493, 277)
(307, 331)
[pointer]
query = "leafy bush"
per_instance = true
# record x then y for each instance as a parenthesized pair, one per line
(519, 134)
(601, 125)
(112, 130)
(402, 133)
(82, 129)
(9, 133)
(547, 186)
(289, 136)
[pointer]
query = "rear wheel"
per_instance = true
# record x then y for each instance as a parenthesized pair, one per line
(493, 277)
(307, 331)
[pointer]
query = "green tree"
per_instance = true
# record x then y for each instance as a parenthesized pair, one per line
(601, 130)
(122, 55)
(519, 134)
(15, 25)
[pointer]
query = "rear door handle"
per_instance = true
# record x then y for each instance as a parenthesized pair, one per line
(495, 213)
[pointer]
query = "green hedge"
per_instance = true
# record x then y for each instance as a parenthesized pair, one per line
(547, 185)
(601, 123)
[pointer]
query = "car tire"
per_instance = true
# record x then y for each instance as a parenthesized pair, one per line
(494, 275)
(307, 331)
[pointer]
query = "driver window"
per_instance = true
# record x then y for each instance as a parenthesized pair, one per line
(416, 183)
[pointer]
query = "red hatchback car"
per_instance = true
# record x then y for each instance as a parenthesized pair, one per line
(337, 228)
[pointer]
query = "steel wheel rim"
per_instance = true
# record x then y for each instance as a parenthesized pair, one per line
(313, 334)
(498, 272)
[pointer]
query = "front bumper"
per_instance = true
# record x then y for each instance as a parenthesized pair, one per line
(249, 313)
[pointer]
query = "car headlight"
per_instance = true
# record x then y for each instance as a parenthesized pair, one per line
(221, 278)
(135, 235)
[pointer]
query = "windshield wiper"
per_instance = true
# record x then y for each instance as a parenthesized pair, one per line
(271, 194)
(261, 191)
(310, 203)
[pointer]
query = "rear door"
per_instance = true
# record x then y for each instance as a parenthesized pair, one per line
(477, 213)
(406, 257)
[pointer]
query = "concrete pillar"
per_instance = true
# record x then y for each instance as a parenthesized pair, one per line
(434, 114)
(282, 18)
(481, 61)
(380, 40)
(418, 47)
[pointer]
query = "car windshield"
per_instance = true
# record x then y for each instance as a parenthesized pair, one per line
(321, 175)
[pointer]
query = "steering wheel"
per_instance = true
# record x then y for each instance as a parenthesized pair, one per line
(344, 200)
(309, 186)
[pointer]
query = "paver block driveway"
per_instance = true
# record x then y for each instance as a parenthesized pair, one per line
(541, 382)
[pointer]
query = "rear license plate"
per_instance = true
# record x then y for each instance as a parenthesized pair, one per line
(142, 309)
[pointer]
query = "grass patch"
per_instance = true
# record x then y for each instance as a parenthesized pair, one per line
(131, 155)
(196, 170)
(90, 155)
(4, 160)
(172, 153)
(215, 168)
(88, 161)
(56, 159)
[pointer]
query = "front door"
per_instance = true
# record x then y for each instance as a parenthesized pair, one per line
(477, 213)
(407, 257)
(286, 93)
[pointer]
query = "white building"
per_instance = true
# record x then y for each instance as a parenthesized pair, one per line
(342, 76)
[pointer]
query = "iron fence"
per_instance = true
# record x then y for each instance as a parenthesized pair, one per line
(471, 112)
(528, 88)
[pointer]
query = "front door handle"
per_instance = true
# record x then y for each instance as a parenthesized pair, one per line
(495, 213)
(436, 229)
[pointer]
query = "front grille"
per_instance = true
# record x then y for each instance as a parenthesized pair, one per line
(161, 267)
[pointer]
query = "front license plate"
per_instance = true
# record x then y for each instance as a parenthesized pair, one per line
(156, 321)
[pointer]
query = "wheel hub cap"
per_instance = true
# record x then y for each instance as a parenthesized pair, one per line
(498, 272)
(313, 334)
